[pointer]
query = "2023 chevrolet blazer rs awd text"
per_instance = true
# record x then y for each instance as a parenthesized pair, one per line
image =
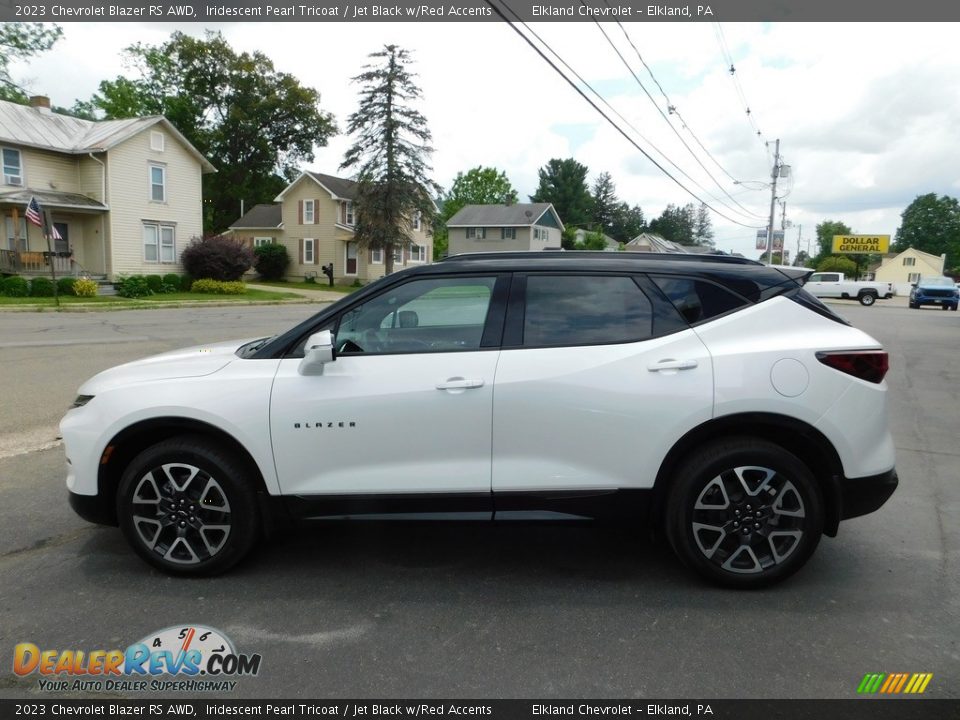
(711, 397)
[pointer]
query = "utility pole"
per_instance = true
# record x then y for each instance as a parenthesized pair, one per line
(773, 201)
(783, 229)
(799, 234)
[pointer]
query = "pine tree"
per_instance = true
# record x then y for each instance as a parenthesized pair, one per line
(390, 155)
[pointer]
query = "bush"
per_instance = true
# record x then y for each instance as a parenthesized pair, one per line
(85, 287)
(155, 283)
(173, 280)
(133, 287)
(217, 257)
(65, 286)
(41, 287)
(186, 282)
(271, 261)
(219, 287)
(15, 286)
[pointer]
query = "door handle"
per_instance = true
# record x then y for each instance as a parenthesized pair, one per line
(459, 383)
(671, 364)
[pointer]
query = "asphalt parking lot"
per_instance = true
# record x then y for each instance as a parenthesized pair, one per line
(421, 611)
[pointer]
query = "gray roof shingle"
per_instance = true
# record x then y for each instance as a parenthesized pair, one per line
(518, 214)
(344, 189)
(263, 216)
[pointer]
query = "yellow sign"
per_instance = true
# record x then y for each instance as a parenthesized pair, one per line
(861, 243)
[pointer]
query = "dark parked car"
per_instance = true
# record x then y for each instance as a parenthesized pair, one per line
(935, 291)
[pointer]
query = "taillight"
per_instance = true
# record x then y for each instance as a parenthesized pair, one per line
(869, 365)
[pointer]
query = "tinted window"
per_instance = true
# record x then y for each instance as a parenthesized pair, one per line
(698, 300)
(584, 310)
(434, 314)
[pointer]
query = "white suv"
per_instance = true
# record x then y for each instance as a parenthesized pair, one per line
(708, 396)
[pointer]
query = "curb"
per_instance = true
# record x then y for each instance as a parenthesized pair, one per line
(79, 308)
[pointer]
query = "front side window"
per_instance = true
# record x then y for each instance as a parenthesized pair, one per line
(158, 183)
(12, 167)
(159, 243)
(584, 310)
(308, 212)
(428, 315)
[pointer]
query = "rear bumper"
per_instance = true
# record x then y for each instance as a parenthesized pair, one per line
(863, 495)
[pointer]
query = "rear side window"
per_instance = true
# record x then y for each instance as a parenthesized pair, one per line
(698, 300)
(584, 310)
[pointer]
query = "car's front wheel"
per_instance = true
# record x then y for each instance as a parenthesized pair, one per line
(744, 512)
(187, 507)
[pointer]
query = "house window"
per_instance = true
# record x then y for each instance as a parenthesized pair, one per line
(159, 243)
(158, 183)
(260, 241)
(416, 220)
(348, 213)
(909, 261)
(308, 249)
(397, 255)
(913, 277)
(156, 141)
(508, 233)
(11, 240)
(308, 213)
(476, 233)
(376, 256)
(418, 253)
(12, 168)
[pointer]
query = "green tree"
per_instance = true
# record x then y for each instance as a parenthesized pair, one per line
(605, 203)
(478, 186)
(837, 263)
(19, 41)
(390, 152)
(677, 224)
(628, 222)
(256, 125)
(825, 232)
(931, 224)
(703, 228)
(564, 183)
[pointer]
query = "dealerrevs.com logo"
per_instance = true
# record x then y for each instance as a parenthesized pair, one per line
(194, 658)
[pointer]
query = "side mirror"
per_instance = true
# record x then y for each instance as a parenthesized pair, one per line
(317, 352)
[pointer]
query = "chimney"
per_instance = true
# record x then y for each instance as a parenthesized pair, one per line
(40, 102)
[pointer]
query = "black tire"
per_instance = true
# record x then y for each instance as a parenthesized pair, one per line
(914, 306)
(954, 308)
(944, 307)
(725, 482)
(187, 507)
(867, 298)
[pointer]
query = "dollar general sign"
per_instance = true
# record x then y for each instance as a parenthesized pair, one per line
(861, 243)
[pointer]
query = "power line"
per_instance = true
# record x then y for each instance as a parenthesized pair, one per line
(595, 107)
(731, 68)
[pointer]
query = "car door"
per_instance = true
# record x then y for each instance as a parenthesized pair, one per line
(406, 405)
(824, 285)
(595, 384)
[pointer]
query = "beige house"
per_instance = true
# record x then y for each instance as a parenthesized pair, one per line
(124, 196)
(907, 267)
(494, 228)
(314, 219)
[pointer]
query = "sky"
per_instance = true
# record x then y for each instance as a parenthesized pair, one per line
(866, 113)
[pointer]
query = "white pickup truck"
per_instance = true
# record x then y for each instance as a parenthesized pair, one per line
(835, 285)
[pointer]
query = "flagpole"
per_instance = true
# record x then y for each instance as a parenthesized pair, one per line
(47, 224)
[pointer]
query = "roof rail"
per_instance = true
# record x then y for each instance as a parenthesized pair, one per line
(599, 254)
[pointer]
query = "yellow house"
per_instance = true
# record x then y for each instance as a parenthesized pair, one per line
(124, 196)
(314, 219)
(907, 267)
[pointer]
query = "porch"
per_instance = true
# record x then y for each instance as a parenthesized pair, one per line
(15, 262)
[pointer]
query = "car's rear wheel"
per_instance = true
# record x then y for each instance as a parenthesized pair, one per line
(744, 512)
(187, 507)
(944, 307)
(867, 298)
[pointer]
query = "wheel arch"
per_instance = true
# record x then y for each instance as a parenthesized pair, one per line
(132, 440)
(796, 436)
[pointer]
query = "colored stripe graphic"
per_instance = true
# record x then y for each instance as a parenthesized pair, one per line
(894, 683)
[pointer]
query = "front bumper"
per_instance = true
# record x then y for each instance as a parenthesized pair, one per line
(92, 508)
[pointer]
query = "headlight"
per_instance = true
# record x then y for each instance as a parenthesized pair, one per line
(81, 400)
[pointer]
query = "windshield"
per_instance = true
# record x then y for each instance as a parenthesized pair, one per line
(245, 351)
(937, 281)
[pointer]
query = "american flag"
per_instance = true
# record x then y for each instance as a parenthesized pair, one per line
(33, 213)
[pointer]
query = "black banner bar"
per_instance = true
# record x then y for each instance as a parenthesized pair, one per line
(212, 11)
(873, 708)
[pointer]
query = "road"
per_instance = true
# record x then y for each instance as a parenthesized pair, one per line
(422, 611)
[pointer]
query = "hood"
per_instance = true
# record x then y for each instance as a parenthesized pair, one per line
(188, 362)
